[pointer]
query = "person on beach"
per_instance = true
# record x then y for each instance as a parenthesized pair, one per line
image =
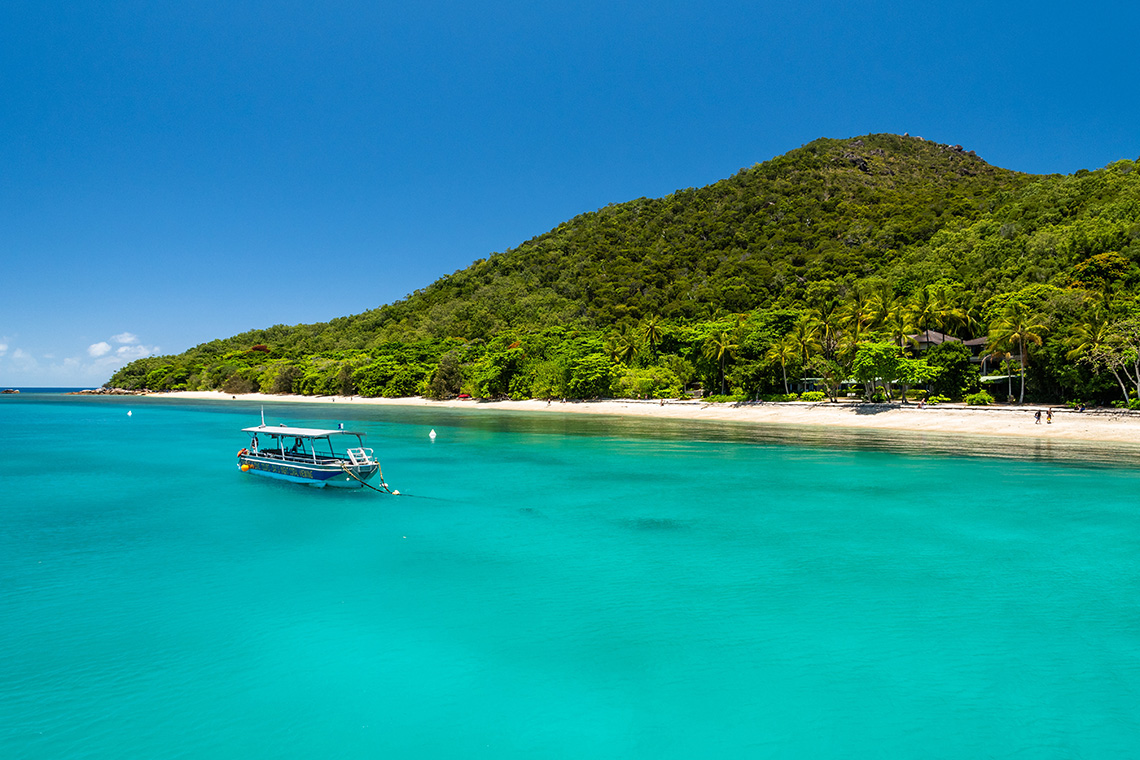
(1049, 417)
(1037, 417)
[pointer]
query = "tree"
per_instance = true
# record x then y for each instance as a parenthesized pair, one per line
(720, 347)
(897, 325)
(781, 352)
(651, 332)
(447, 380)
(876, 362)
(958, 374)
(854, 317)
(925, 310)
(623, 346)
(1018, 328)
(1120, 353)
(590, 377)
(805, 337)
(912, 372)
(832, 373)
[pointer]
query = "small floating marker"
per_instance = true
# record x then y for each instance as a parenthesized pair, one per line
(129, 412)
(431, 435)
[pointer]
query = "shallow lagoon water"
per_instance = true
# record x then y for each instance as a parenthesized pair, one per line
(559, 586)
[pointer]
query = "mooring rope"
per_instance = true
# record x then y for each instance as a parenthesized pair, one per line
(379, 472)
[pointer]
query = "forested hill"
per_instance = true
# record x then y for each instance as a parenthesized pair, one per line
(805, 231)
(832, 210)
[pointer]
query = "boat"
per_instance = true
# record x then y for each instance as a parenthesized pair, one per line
(310, 456)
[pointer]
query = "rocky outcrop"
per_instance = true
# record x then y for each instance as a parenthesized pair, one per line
(108, 392)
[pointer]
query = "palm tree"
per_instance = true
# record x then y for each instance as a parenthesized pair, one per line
(1003, 359)
(881, 305)
(782, 351)
(1090, 339)
(623, 345)
(953, 314)
(828, 318)
(805, 337)
(897, 326)
(855, 316)
(720, 347)
(651, 331)
(927, 311)
(1017, 327)
(1085, 337)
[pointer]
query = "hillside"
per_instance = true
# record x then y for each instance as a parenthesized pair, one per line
(807, 231)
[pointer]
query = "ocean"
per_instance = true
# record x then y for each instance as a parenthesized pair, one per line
(559, 586)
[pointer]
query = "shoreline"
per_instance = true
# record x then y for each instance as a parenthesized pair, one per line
(1099, 426)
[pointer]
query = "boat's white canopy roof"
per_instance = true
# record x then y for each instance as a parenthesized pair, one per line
(296, 432)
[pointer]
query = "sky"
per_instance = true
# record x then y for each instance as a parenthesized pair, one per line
(171, 173)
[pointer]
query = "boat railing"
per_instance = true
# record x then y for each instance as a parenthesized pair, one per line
(357, 456)
(360, 456)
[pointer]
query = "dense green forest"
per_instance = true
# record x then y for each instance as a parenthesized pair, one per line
(823, 263)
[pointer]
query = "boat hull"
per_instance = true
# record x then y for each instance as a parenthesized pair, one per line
(317, 475)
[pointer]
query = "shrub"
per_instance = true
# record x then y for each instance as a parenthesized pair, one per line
(235, 384)
(916, 395)
(731, 399)
(813, 396)
(981, 398)
(937, 399)
(650, 382)
(779, 397)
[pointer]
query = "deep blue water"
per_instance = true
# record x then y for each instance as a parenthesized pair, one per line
(559, 587)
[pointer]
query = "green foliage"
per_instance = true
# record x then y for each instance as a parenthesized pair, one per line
(877, 363)
(813, 396)
(725, 398)
(958, 375)
(648, 382)
(590, 377)
(981, 398)
(787, 268)
(447, 379)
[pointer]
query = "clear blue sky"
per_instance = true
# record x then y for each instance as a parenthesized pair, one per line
(172, 173)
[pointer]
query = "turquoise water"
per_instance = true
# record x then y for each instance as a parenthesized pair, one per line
(559, 587)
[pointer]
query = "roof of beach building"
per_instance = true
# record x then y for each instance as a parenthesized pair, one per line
(933, 337)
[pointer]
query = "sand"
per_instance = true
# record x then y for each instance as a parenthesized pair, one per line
(1114, 426)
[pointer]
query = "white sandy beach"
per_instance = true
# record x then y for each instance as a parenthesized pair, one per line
(1093, 425)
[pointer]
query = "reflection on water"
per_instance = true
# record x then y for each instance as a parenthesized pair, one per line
(1084, 453)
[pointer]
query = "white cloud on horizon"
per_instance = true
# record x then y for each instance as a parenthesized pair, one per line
(22, 368)
(131, 353)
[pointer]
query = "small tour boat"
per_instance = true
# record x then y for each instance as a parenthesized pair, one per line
(308, 455)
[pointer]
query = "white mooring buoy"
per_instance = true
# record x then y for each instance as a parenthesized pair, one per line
(431, 435)
(128, 412)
